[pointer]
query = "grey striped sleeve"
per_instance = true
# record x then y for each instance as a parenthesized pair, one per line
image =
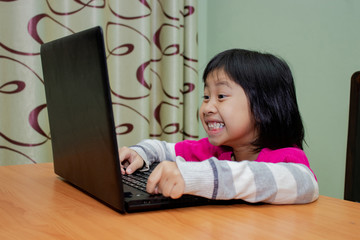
(283, 183)
(305, 185)
(266, 187)
(155, 151)
(275, 183)
(223, 180)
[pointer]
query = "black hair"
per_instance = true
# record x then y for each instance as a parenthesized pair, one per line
(269, 85)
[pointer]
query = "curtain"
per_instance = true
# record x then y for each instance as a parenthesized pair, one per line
(152, 61)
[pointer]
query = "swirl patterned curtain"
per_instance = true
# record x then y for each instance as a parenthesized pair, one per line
(152, 60)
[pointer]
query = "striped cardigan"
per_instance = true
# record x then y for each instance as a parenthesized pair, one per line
(281, 176)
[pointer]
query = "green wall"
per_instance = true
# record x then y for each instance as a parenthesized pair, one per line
(320, 40)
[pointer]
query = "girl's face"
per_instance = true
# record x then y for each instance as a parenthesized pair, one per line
(225, 113)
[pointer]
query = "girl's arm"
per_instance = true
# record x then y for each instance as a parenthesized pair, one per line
(276, 183)
(154, 151)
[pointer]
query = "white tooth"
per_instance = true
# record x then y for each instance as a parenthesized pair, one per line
(215, 125)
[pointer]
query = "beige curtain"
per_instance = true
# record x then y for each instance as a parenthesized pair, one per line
(152, 60)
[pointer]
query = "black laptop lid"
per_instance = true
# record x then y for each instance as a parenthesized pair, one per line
(80, 115)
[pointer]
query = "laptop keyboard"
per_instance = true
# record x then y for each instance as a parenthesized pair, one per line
(138, 179)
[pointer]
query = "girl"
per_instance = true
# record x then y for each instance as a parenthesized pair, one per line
(255, 134)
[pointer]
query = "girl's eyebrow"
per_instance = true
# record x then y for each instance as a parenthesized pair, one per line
(222, 83)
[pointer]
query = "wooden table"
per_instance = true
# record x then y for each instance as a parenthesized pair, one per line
(36, 204)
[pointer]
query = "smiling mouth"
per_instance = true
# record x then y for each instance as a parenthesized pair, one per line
(215, 126)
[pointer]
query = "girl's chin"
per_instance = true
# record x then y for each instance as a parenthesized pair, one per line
(214, 141)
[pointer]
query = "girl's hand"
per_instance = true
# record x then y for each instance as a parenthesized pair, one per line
(130, 160)
(167, 180)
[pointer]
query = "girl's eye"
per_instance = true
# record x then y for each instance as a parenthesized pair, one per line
(205, 97)
(221, 96)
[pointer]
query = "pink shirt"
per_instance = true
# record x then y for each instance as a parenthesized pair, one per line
(196, 151)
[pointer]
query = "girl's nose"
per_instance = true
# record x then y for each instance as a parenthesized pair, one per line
(209, 108)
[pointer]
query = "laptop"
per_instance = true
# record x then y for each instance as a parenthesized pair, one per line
(84, 145)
